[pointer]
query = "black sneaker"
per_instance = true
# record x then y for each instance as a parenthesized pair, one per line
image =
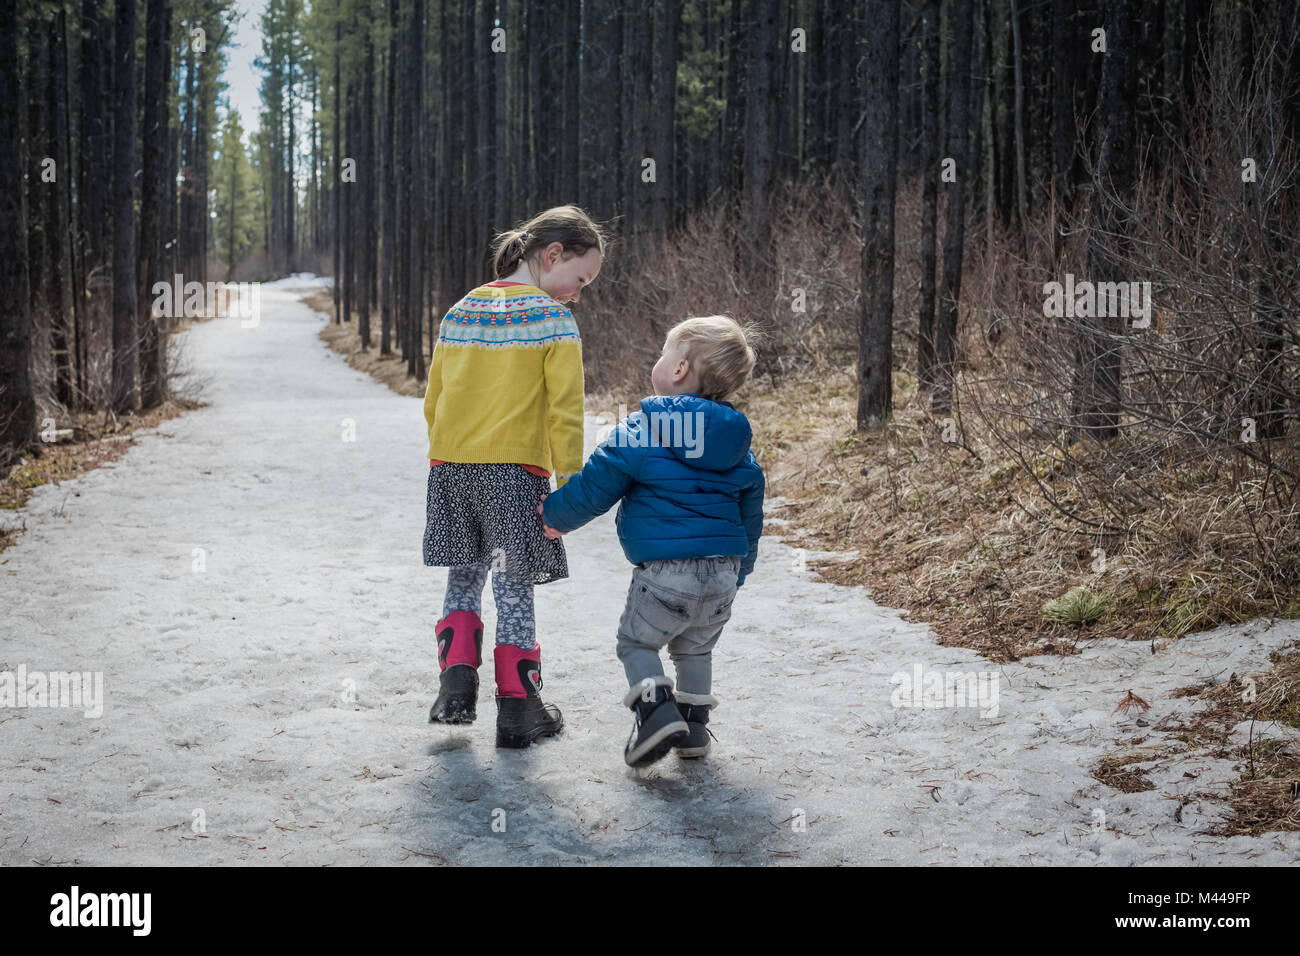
(657, 727)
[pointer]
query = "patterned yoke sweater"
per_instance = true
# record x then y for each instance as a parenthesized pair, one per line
(505, 383)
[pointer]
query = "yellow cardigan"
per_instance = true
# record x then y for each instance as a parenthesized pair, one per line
(505, 383)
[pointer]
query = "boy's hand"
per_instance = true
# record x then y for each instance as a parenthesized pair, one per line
(547, 530)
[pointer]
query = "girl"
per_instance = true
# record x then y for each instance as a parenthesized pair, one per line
(504, 410)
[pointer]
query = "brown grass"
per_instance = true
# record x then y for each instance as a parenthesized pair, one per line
(1266, 795)
(1117, 771)
(961, 537)
(97, 438)
(343, 338)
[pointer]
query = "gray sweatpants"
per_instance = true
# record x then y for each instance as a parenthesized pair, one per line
(682, 603)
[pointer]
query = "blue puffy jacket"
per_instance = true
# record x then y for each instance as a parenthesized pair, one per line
(689, 485)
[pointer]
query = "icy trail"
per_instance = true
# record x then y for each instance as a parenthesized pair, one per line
(228, 690)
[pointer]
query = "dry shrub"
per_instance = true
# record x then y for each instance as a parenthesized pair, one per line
(713, 266)
(1193, 507)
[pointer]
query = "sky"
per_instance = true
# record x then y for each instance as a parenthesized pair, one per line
(243, 77)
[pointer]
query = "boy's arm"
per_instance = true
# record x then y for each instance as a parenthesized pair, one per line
(751, 515)
(563, 370)
(607, 476)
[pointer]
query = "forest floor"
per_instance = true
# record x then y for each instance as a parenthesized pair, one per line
(252, 593)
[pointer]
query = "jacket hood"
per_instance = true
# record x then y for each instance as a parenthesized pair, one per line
(702, 433)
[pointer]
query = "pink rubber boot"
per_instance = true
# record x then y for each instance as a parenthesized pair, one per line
(521, 715)
(460, 646)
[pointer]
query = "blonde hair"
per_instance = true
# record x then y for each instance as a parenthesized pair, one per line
(567, 225)
(719, 353)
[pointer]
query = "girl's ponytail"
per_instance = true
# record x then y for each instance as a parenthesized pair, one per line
(567, 225)
(511, 247)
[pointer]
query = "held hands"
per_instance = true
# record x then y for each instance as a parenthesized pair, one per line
(546, 528)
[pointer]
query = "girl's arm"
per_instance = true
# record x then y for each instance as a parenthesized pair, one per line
(432, 391)
(563, 370)
(607, 476)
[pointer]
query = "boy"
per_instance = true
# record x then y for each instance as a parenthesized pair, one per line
(690, 517)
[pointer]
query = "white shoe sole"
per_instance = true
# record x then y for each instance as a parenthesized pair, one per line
(630, 757)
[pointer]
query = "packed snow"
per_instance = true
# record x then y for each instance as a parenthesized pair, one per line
(248, 582)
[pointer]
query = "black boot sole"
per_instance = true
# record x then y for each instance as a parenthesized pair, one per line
(516, 738)
(457, 701)
(509, 741)
(656, 753)
(685, 750)
(662, 729)
(691, 753)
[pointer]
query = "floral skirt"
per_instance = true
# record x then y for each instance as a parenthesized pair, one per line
(487, 514)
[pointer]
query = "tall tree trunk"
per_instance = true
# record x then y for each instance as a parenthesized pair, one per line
(1098, 361)
(499, 66)
(153, 339)
(389, 196)
(40, 195)
(845, 102)
(1007, 134)
(963, 35)
(665, 118)
(415, 361)
(17, 404)
(1022, 204)
(350, 188)
(125, 352)
(95, 76)
(877, 184)
(568, 190)
(484, 161)
(367, 186)
(61, 255)
(290, 187)
(758, 120)
(930, 173)
(1062, 113)
(335, 191)
(1278, 272)
(185, 236)
(201, 224)
(978, 83)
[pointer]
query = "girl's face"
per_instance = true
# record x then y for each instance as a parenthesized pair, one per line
(564, 279)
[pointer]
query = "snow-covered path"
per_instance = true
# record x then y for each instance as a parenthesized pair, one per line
(279, 695)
